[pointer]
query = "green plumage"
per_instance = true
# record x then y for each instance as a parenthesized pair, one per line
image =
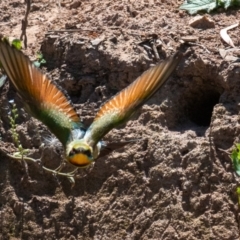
(58, 122)
(41, 96)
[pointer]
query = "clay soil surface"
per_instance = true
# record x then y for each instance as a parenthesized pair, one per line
(177, 182)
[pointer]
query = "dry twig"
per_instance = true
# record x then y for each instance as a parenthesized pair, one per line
(25, 23)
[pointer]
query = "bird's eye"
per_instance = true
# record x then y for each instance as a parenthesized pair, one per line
(72, 152)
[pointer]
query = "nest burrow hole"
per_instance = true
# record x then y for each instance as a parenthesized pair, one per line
(197, 102)
(200, 104)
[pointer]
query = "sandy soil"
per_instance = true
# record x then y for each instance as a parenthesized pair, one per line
(176, 184)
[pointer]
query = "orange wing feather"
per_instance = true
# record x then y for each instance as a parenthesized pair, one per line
(123, 105)
(31, 83)
(45, 101)
(141, 89)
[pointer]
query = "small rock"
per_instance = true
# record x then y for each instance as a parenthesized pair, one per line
(74, 12)
(63, 4)
(75, 4)
(70, 25)
(53, 36)
(223, 52)
(227, 55)
(35, 7)
(63, 66)
(3, 80)
(189, 38)
(97, 41)
(113, 39)
(202, 22)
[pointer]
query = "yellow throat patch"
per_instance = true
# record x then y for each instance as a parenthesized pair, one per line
(80, 160)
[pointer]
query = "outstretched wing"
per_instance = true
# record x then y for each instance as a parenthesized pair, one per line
(123, 105)
(43, 99)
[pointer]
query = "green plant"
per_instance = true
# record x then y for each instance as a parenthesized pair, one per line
(194, 6)
(238, 194)
(22, 153)
(40, 60)
(16, 43)
(13, 117)
(235, 156)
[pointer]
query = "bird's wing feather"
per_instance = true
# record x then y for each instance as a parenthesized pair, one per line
(122, 106)
(43, 98)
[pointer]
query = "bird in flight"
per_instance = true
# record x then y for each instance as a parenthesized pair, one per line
(47, 103)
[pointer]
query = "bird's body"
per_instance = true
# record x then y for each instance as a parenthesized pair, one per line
(47, 103)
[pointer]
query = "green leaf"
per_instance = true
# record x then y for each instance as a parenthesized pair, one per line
(39, 55)
(227, 3)
(37, 64)
(17, 43)
(235, 156)
(194, 6)
(238, 194)
(235, 3)
(40, 60)
(43, 61)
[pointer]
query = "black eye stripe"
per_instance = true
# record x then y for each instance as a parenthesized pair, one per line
(72, 152)
(80, 150)
(87, 152)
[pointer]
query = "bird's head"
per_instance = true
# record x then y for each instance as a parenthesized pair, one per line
(79, 153)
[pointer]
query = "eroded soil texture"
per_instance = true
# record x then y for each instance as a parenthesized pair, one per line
(177, 181)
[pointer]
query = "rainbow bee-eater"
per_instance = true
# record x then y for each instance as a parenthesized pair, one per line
(47, 103)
